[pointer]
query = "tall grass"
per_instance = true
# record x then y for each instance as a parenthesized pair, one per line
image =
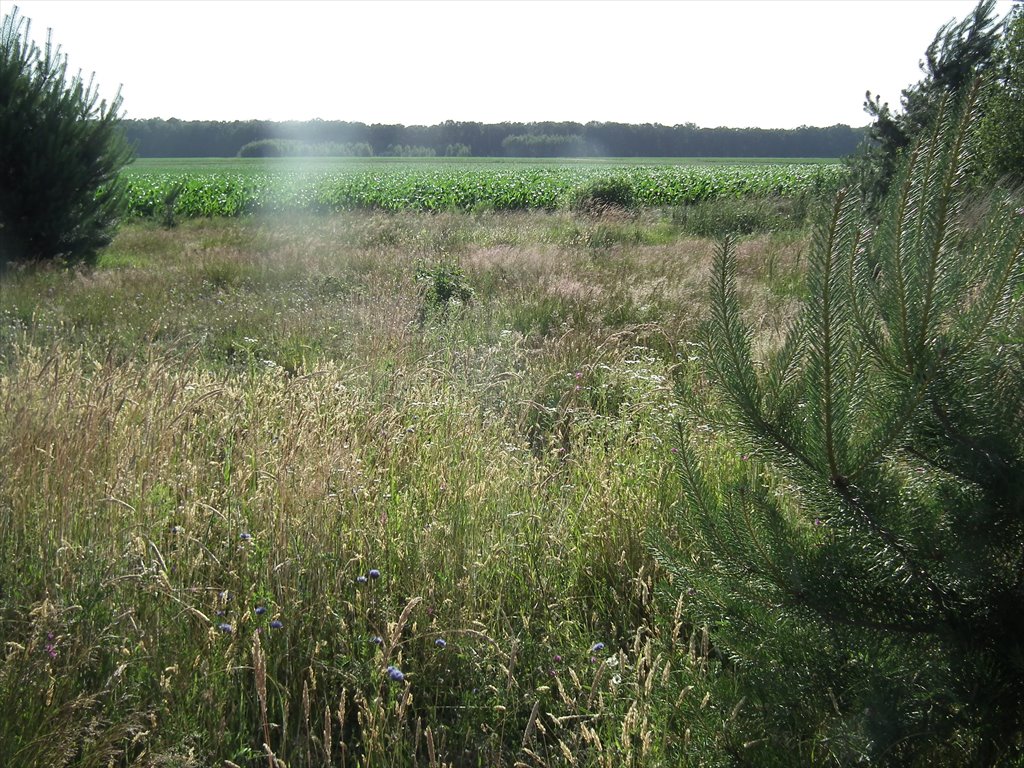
(255, 512)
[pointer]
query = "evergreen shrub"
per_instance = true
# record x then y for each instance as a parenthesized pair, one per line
(61, 148)
(604, 193)
(852, 533)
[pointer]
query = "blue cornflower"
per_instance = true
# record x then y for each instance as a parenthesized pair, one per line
(225, 628)
(360, 579)
(377, 640)
(245, 536)
(275, 624)
(596, 647)
(396, 674)
(260, 610)
(374, 573)
(440, 643)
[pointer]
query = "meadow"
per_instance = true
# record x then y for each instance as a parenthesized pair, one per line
(365, 487)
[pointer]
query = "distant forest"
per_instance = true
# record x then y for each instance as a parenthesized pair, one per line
(157, 137)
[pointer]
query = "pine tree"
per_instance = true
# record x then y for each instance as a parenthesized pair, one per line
(1002, 129)
(959, 53)
(61, 148)
(861, 568)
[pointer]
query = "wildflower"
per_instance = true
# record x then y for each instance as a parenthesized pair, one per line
(360, 579)
(557, 659)
(818, 521)
(275, 624)
(225, 628)
(374, 573)
(440, 643)
(377, 640)
(396, 674)
(260, 610)
(596, 647)
(245, 536)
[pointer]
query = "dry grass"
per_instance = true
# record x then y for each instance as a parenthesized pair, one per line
(241, 415)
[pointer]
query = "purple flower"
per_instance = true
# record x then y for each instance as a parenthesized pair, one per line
(374, 573)
(225, 628)
(396, 674)
(596, 647)
(275, 624)
(440, 643)
(557, 659)
(245, 536)
(360, 579)
(377, 640)
(260, 610)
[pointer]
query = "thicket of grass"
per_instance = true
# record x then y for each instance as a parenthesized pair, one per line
(208, 440)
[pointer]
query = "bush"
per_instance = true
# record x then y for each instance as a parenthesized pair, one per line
(60, 153)
(444, 286)
(745, 216)
(297, 148)
(602, 194)
(852, 535)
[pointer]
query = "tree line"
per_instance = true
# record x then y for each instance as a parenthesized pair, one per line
(157, 137)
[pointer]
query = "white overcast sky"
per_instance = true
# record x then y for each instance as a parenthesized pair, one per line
(737, 63)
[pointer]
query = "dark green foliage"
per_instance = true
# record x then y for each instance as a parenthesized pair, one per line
(854, 534)
(60, 152)
(296, 148)
(1002, 137)
(604, 193)
(760, 215)
(156, 137)
(544, 145)
(960, 52)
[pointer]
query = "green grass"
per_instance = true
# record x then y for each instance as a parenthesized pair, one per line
(244, 413)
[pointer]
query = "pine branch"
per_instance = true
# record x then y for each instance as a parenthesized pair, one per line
(828, 341)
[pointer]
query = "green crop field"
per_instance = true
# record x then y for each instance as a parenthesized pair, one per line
(230, 187)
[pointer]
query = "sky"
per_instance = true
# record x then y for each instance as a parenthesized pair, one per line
(736, 63)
